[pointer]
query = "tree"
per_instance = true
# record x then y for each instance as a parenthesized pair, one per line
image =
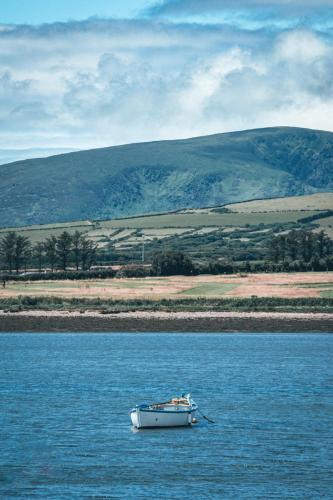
(292, 245)
(22, 245)
(63, 249)
(50, 249)
(38, 252)
(76, 248)
(324, 245)
(83, 250)
(273, 250)
(88, 253)
(93, 247)
(282, 245)
(7, 247)
(305, 249)
(26, 257)
(168, 263)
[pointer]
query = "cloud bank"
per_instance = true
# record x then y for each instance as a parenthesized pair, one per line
(97, 83)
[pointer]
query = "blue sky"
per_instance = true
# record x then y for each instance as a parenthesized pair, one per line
(114, 72)
(48, 11)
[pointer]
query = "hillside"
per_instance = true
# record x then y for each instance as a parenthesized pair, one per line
(239, 231)
(167, 175)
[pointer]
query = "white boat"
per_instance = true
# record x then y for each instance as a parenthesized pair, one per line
(174, 413)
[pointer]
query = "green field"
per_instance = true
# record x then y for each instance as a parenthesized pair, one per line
(315, 285)
(317, 201)
(326, 225)
(160, 226)
(214, 232)
(41, 232)
(325, 289)
(208, 219)
(210, 289)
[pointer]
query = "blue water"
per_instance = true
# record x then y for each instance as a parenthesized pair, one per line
(65, 430)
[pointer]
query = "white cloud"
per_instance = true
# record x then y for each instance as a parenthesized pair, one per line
(99, 83)
(301, 46)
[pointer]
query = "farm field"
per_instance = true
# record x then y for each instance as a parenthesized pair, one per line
(41, 232)
(326, 225)
(164, 225)
(236, 233)
(127, 232)
(285, 285)
(210, 218)
(318, 201)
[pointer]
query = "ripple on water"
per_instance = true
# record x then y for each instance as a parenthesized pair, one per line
(66, 433)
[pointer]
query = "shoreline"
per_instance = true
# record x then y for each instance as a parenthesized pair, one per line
(155, 321)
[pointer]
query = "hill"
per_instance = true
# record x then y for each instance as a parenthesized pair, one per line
(167, 175)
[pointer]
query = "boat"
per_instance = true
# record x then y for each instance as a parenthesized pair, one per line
(177, 412)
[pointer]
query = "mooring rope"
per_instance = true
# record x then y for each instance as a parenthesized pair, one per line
(206, 418)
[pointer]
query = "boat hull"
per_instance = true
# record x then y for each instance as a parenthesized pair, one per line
(151, 418)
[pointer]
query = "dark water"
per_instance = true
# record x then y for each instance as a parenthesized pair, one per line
(65, 429)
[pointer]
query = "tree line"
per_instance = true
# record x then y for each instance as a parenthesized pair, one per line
(18, 253)
(304, 247)
(297, 250)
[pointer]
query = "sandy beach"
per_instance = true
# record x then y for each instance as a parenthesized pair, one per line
(140, 321)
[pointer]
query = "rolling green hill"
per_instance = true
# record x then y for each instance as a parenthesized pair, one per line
(236, 232)
(167, 175)
(128, 232)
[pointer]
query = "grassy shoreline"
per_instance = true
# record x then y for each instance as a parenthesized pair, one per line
(189, 304)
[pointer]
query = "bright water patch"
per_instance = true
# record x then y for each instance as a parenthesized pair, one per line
(65, 429)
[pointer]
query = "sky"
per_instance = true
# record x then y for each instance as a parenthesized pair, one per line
(78, 74)
(50, 11)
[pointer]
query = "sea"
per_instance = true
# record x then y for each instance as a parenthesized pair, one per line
(65, 430)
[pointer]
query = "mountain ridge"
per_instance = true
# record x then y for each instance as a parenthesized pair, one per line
(284, 127)
(124, 180)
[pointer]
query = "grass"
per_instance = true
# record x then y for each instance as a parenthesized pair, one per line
(210, 289)
(28, 287)
(318, 201)
(326, 225)
(325, 289)
(190, 304)
(166, 225)
(192, 231)
(40, 233)
(315, 285)
(78, 285)
(190, 220)
(291, 285)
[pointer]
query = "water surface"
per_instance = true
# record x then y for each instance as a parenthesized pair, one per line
(65, 430)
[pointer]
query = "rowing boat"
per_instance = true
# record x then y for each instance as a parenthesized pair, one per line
(177, 412)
